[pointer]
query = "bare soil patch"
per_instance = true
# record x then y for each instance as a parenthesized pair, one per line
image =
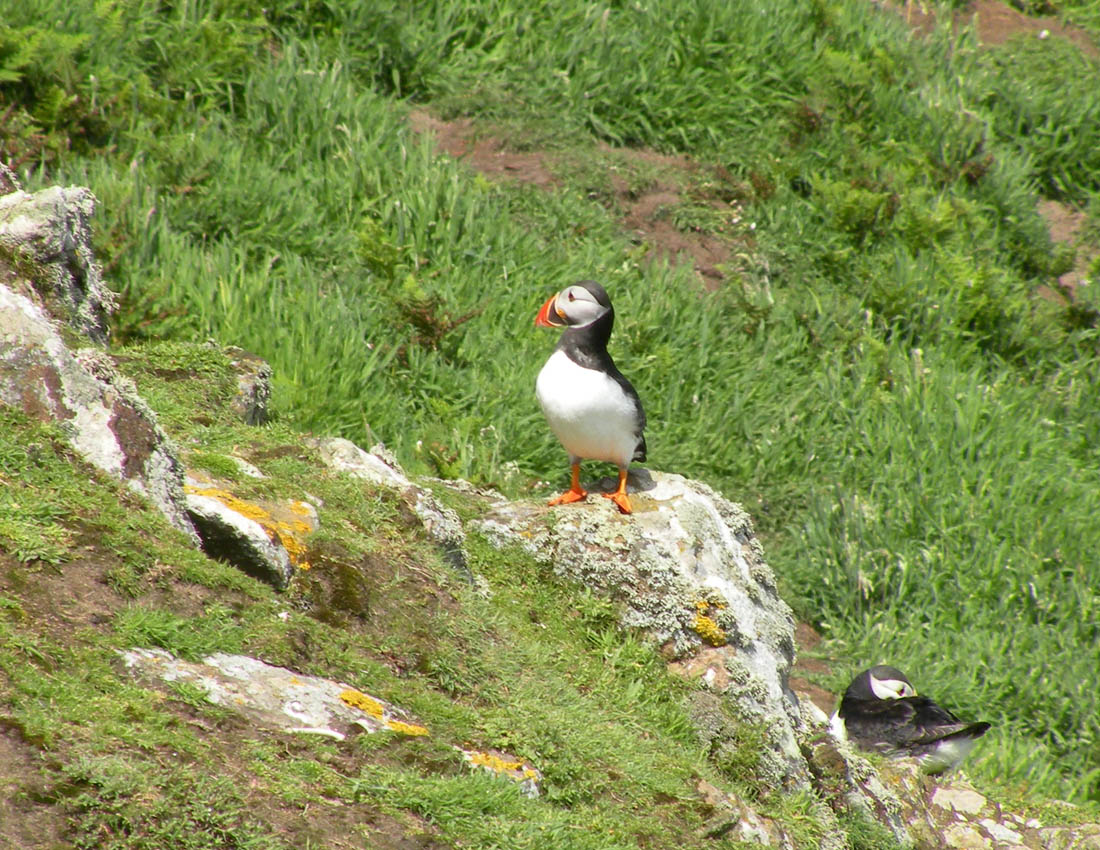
(28, 819)
(645, 211)
(994, 23)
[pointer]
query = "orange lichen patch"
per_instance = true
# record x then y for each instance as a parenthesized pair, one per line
(709, 630)
(289, 525)
(706, 626)
(516, 769)
(363, 702)
(369, 705)
(406, 728)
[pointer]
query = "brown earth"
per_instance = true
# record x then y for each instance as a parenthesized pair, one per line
(644, 211)
(994, 23)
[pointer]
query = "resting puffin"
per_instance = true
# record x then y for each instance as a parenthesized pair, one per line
(592, 409)
(881, 711)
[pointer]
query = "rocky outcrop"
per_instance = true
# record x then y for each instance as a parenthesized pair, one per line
(380, 467)
(51, 301)
(47, 238)
(687, 569)
(266, 538)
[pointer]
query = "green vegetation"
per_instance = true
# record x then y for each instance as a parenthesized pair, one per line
(913, 426)
(523, 663)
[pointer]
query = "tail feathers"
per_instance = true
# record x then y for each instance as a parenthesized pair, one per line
(970, 730)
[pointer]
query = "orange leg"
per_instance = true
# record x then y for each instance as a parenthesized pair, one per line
(619, 497)
(574, 493)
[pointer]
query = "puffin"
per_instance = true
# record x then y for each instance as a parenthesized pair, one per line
(880, 711)
(592, 409)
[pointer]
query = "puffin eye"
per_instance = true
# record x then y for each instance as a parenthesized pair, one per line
(572, 297)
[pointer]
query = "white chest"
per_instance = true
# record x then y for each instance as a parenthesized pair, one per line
(587, 411)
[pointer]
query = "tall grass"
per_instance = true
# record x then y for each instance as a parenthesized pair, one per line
(913, 429)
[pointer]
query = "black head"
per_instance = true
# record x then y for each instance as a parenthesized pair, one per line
(880, 682)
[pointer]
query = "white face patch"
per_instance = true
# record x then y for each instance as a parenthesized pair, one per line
(891, 688)
(577, 305)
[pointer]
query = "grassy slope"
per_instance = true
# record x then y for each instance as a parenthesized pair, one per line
(914, 429)
(532, 667)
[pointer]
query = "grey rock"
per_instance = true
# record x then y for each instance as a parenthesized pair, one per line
(687, 569)
(381, 468)
(290, 701)
(47, 238)
(100, 411)
(263, 538)
(253, 386)
(274, 696)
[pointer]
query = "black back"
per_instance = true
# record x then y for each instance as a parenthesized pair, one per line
(907, 723)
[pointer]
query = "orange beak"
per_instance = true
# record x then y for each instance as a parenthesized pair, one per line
(548, 316)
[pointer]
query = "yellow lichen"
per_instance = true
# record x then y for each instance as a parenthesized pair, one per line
(406, 728)
(499, 765)
(363, 702)
(709, 630)
(289, 534)
(371, 706)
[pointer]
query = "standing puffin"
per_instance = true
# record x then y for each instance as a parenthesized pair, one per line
(592, 409)
(881, 711)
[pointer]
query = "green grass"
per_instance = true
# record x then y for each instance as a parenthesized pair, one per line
(534, 667)
(913, 429)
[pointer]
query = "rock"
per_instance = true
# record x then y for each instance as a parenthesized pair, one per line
(380, 467)
(274, 696)
(253, 386)
(964, 837)
(99, 411)
(51, 295)
(506, 766)
(965, 800)
(734, 819)
(48, 239)
(265, 538)
(688, 570)
(849, 782)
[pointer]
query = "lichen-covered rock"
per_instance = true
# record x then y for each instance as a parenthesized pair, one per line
(506, 766)
(380, 467)
(99, 410)
(848, 781)
(687, 569)
(253, 386)
(927, 812)
(732, 818)
(47, 238)
(947, 811)
(274, 696)
(265, 538)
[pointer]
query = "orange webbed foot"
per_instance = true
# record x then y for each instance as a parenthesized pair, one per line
(568, 496)
(575, 493)
(621, 500)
